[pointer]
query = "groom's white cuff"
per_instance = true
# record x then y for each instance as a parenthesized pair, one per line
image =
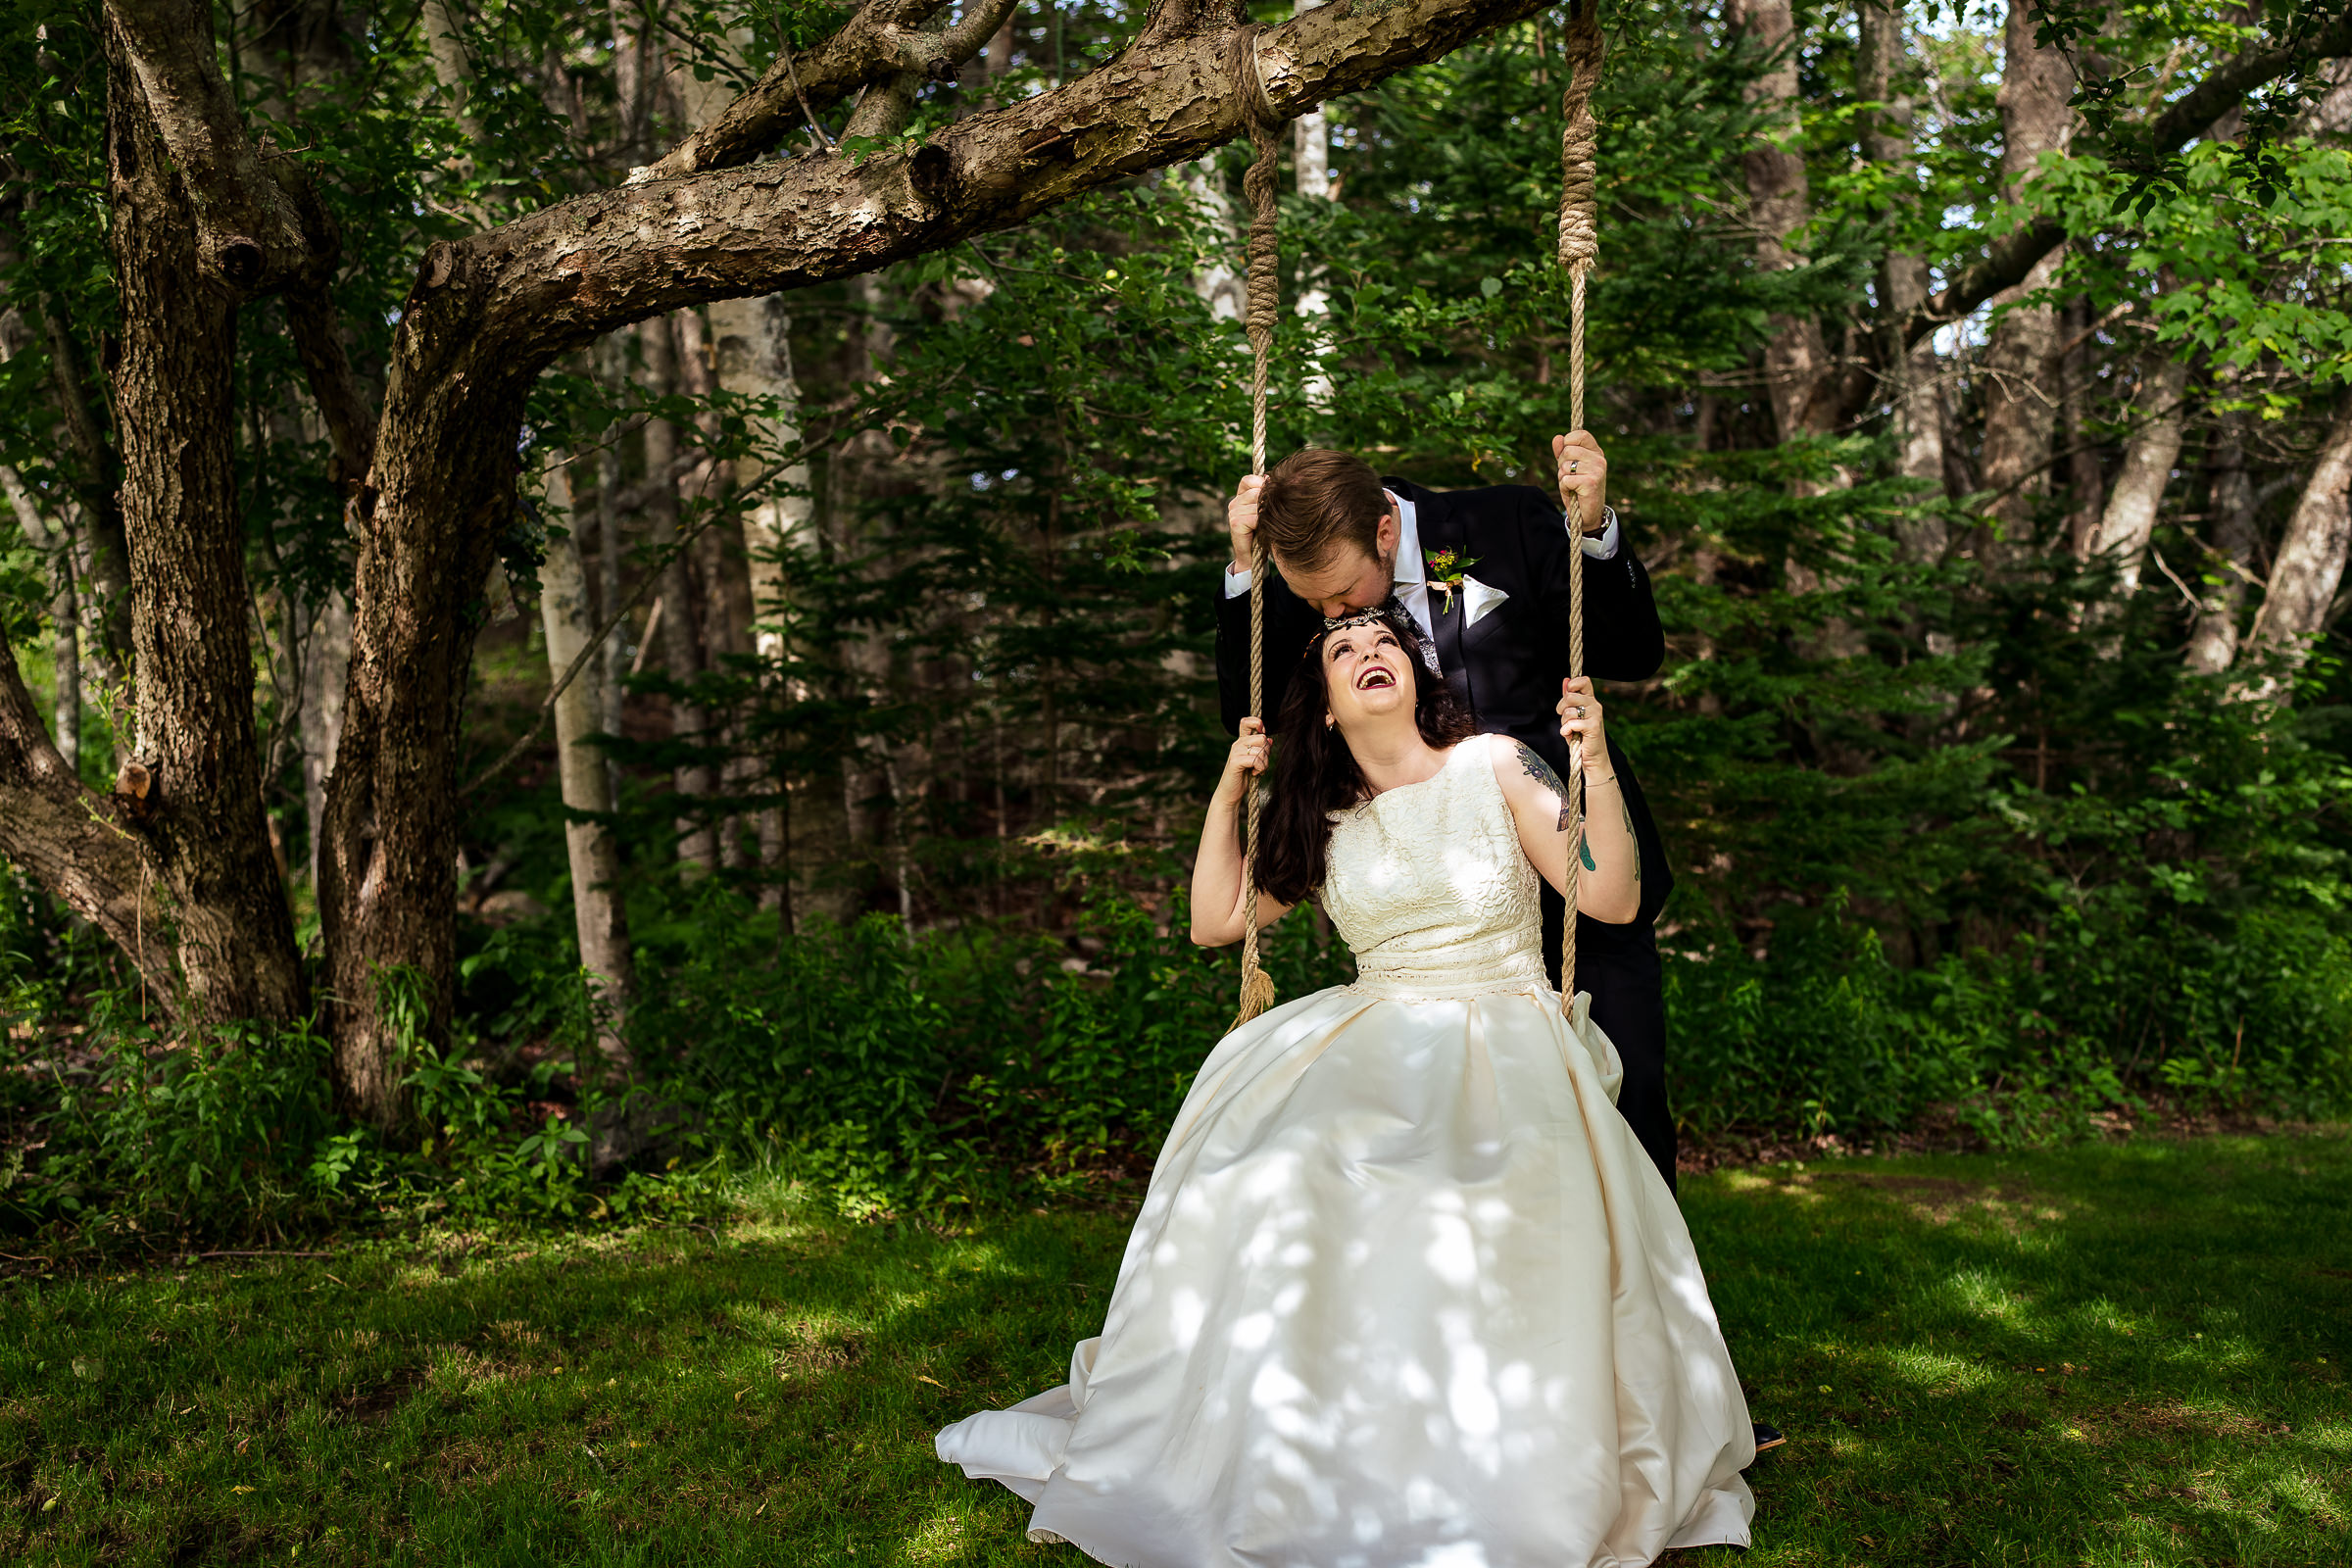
(1604, 548)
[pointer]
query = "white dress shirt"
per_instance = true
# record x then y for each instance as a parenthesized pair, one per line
(1412, 571)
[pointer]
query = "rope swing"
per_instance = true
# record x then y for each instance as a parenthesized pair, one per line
(1264, 309)
(1578, 247)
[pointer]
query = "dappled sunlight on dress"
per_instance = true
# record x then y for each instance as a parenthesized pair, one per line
(1405, 1290)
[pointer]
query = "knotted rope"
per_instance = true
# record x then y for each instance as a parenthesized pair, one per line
(1580, 246)
(1264, 309)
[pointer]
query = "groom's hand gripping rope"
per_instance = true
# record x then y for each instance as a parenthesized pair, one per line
(1241, 520)
(1584, 478)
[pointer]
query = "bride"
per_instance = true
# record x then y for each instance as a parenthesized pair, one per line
(1405, 1290)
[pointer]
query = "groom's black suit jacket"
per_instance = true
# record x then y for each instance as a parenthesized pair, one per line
(1507, 668)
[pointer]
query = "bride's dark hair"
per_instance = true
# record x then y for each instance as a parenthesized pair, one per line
(1314, 773)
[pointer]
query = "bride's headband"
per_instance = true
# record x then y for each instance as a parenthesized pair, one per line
(1376, 616)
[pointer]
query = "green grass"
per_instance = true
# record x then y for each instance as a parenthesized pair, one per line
(2116, 1354)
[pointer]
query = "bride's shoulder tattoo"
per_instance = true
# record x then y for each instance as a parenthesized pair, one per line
(1542, 772)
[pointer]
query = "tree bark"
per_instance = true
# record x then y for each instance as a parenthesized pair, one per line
(1780, 200)
(2020, 402)
(755, 359)
(445, 40)
(2128, 521)
(207, 839)
(2310, 564)
(1918, 373)
(681, 652)
(2232, 539)
(2085, 472)
(325, 671)
(1311, 137)
(599, 915)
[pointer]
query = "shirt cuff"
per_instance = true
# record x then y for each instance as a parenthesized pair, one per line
(1604, 548)
(1237, 579)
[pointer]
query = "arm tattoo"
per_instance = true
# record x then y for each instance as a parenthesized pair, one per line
(1584, 847)
(1631, 837)
(1541, 771)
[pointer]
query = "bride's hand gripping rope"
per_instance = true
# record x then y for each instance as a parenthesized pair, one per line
(1582, 727)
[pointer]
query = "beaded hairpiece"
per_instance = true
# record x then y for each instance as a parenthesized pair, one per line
(1375, 616)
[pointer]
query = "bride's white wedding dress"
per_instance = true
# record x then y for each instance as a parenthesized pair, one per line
(1405, 1290)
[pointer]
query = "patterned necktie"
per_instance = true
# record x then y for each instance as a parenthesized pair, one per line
(1421, 639)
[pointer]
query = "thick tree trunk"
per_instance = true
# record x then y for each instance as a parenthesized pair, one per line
(2128, 521)
(2232, 539)
(599, 915)
(207, 837)
(2310, 564)
(387, 876)
(2021, 407)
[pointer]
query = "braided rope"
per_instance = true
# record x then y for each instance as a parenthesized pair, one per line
(1580, 247)
(1263, 311)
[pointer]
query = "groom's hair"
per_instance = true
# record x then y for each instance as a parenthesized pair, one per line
(1318, 502)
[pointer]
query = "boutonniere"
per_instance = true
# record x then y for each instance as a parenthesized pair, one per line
(1446, 569)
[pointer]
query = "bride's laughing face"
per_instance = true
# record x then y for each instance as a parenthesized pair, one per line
(1367, 675)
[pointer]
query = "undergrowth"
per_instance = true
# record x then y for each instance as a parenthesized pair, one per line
(986, 1066)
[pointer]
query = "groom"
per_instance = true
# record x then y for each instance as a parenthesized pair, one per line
(1484, 575)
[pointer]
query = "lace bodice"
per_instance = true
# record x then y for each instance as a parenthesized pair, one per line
(1430, 888)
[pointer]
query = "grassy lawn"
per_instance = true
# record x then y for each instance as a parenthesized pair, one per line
(2116, 1354)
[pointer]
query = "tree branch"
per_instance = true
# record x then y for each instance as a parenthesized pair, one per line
(508, 301)
(254, 232)
(2190, 117)
(342, 402)
(64, 834)
(871, 44)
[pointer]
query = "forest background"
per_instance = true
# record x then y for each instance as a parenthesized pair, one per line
(837, 709)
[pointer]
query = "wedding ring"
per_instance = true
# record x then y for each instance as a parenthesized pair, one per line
(1575, 464)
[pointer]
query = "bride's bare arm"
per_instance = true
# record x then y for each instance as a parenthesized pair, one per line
(1608, 883)
(1217, 869)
